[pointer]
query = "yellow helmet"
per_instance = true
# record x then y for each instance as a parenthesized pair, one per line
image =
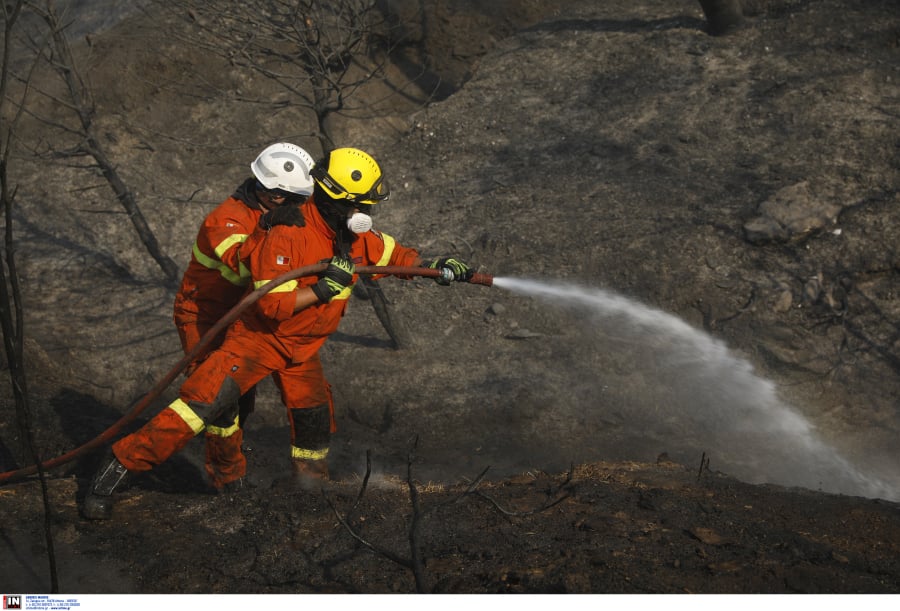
(351, 174)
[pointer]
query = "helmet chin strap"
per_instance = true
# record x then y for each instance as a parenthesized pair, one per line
(330, 213)
(339, 223)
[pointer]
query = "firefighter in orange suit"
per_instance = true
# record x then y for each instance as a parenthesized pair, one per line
(215, 280)
(282, 333)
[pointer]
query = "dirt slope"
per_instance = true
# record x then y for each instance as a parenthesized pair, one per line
(711, 227)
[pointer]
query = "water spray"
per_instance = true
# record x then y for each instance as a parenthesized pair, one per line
(698, 392)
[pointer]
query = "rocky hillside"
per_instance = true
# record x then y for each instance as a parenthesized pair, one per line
(694, 244)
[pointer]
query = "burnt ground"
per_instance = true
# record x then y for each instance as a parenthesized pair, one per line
(610, 528)
(700, 393)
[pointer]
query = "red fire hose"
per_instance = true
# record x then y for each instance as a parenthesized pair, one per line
(203, 344)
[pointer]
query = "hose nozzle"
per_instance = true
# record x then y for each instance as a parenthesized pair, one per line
(445, 276)
(483, 279)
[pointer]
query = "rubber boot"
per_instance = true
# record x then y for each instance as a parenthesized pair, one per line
(98, 504)
(231, 488)
(225, 460)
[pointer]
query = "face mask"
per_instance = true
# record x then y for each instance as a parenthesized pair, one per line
(359, 222)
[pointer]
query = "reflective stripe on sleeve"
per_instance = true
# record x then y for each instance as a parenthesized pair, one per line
(287, 287)
(224, 245)
(389, 244)
(244, 272)
(216, 265)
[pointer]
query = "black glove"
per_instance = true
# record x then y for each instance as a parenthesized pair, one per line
(337, 277)
(451, 269)
(286, 214)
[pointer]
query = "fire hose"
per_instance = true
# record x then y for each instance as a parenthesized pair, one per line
(203, 345)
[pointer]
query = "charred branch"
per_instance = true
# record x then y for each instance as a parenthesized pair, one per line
(11, 307)
(80, 101)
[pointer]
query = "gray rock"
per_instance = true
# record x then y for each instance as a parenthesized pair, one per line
(791, 214)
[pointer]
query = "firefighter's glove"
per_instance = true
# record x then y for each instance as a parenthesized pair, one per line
(451, 269)
(286, 214)
(337, 277)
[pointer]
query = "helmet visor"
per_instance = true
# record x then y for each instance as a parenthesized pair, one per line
(378, 193)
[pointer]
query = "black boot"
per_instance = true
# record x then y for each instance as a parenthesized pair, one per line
(98, 503)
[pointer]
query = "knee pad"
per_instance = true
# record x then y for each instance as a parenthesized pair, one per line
(224, 408)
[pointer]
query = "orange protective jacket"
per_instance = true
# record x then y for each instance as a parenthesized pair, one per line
(215, 279)
(286, 247)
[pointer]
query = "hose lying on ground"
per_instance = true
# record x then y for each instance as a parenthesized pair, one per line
(203, 345)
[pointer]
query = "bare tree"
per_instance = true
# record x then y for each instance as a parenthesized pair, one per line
(73, 114)
(12, 318)
(319, 53)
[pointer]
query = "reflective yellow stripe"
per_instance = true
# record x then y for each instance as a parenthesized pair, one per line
(223, 432)
(389, 244)
(308, 454)
(189, 416)
(287, 287)
(235, 238)
(244, 272)
(343, 295)
(216, 265)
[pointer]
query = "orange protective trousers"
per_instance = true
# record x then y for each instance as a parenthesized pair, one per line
(225, 460)
(246, 357)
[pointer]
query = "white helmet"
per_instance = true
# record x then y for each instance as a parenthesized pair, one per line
(286, 167)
